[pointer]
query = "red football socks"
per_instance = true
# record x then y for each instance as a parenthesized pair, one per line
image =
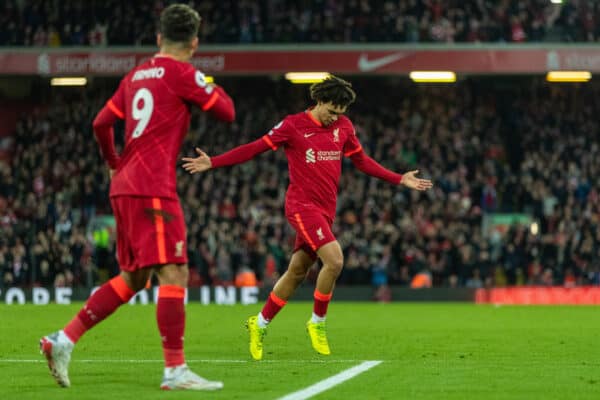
(170, 315)
(272, 307)
(321, 303)
(100, 305)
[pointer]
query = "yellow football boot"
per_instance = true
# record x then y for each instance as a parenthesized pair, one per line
(257, 335)
(318, 337)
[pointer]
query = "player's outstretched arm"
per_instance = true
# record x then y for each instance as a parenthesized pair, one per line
(411, 181)
(366, 164)
(237, 155)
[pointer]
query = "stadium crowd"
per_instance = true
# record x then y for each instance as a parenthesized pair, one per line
(112, 22)
(536, 152)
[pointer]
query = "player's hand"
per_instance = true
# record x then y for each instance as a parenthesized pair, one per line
(111, 172)
(410, 180)
(199, 164)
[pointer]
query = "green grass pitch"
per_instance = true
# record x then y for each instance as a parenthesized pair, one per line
(429, 351)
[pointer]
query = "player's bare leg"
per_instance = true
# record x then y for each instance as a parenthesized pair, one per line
(294, 276)
(170, 316)
(57, 347)
(283, 290)
(333, 261)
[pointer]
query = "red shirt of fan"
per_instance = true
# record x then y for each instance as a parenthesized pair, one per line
(154, 99)
(314, 153)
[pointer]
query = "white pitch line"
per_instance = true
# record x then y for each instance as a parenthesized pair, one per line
(330, 382)
(214, 361)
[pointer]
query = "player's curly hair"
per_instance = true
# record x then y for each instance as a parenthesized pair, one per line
(179, 23)
(333, 89)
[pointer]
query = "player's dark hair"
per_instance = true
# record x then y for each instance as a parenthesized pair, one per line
(333, 89)
(179, 23)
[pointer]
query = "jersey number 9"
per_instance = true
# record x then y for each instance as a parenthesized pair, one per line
(141, 114)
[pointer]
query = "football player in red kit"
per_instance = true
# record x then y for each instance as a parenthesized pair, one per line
(153, 99)
(314, 142)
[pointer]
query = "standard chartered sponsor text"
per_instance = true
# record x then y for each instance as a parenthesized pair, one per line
(323, 155)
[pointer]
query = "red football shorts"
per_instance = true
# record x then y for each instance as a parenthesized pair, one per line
(313, 230)
(150, 231)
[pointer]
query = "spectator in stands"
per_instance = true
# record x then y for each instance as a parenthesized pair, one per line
(474, 282)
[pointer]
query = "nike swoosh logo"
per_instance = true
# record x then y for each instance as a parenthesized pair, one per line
(307, 135)
(366, 65)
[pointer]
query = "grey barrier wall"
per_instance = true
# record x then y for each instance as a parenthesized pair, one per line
(247, 295)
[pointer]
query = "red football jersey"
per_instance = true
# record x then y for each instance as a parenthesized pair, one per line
(154, 100)
(314, 154)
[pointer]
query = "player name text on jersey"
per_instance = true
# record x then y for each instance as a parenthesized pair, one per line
(150, 73)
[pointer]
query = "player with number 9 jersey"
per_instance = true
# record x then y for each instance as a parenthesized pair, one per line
(154, 100)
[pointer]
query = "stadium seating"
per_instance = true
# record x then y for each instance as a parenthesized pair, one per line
(489, 149)
(113, 22)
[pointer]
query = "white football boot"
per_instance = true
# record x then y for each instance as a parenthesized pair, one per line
(182, 378)
(57, 349)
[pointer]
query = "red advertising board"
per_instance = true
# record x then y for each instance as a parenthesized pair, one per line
(539, 295)
(400, 60)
